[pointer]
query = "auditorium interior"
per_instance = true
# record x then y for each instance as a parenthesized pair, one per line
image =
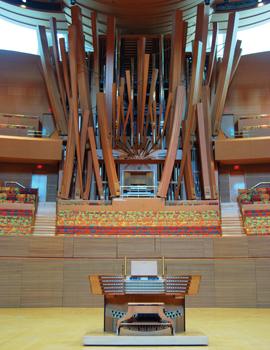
(134, 174)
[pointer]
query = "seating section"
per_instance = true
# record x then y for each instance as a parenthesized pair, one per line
(177, 220)
(17, 210)
(255, 210)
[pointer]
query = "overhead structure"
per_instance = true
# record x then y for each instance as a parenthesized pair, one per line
(140, 111)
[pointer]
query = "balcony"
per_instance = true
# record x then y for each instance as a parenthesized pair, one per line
(30, 149)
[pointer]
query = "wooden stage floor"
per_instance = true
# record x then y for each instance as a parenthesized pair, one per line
(64, 328)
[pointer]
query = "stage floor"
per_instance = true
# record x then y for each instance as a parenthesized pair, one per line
(64, 329)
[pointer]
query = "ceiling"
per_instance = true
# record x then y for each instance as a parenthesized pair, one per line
(133, 16)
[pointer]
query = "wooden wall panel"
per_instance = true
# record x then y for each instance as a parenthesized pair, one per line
(263, 282)
(205, 268)
(10, 283)
(259, 248)
(93, 248)
(249, 92)
(46, 247)
(229, 278)
(42, 283)
(68, 247)
(186, 248)
(22, 88)
(230, 247)
(132, 247)
(76, 283)
(235, 282)
(14, 246)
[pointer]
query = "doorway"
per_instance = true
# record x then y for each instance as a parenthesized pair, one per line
(237, 182)
(40, 182)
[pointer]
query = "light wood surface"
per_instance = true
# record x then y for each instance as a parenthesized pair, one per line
(64, 329)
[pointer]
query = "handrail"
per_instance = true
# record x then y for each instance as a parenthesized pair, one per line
(14, 183)
(259, 184)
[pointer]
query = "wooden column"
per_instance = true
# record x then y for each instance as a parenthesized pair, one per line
(74, 101)
(205, 166)
(173, 145)
(225, 72)
(106, 145)
(58, 68)
(109, 79)
(193, 99)
(50, 80)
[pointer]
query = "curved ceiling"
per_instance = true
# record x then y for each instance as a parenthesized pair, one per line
(133, 16)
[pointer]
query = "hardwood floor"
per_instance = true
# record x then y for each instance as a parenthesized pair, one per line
(64, 328)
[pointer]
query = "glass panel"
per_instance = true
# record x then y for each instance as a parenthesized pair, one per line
(40, 182)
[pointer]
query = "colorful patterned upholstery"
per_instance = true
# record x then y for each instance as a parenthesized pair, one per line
(152, 222)
(17, 210)
(255, 209)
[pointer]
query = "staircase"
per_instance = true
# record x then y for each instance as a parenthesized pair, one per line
(231, 220)
(45, 219)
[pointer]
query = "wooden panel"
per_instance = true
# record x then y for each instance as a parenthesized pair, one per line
(204, 153)
(46, 246)
(50, 80)
(83, 79)
(95, 285)
(72, 37)
(76, 285)
(106, 146)
(10, 282)
(42, 283)
(263, 282)
(68, 247)
(22, 88)
(236, 59)
(76, 282)
(230, 247)
(14, 246)
(92, 142)
(30, 149)
(212, 56)
(173, 144)
(259, 247)
(203, 268)
(201, 35)
(192, 101)
(249, 150)
(235, 282)
(249, 92)
(95, 248)
(58, 69)
(225, 72)
(194, 285)
(95, 75)
(186, 248)
(110, 46)
(137, 247)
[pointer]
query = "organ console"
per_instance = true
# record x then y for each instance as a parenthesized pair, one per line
(144, 304)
